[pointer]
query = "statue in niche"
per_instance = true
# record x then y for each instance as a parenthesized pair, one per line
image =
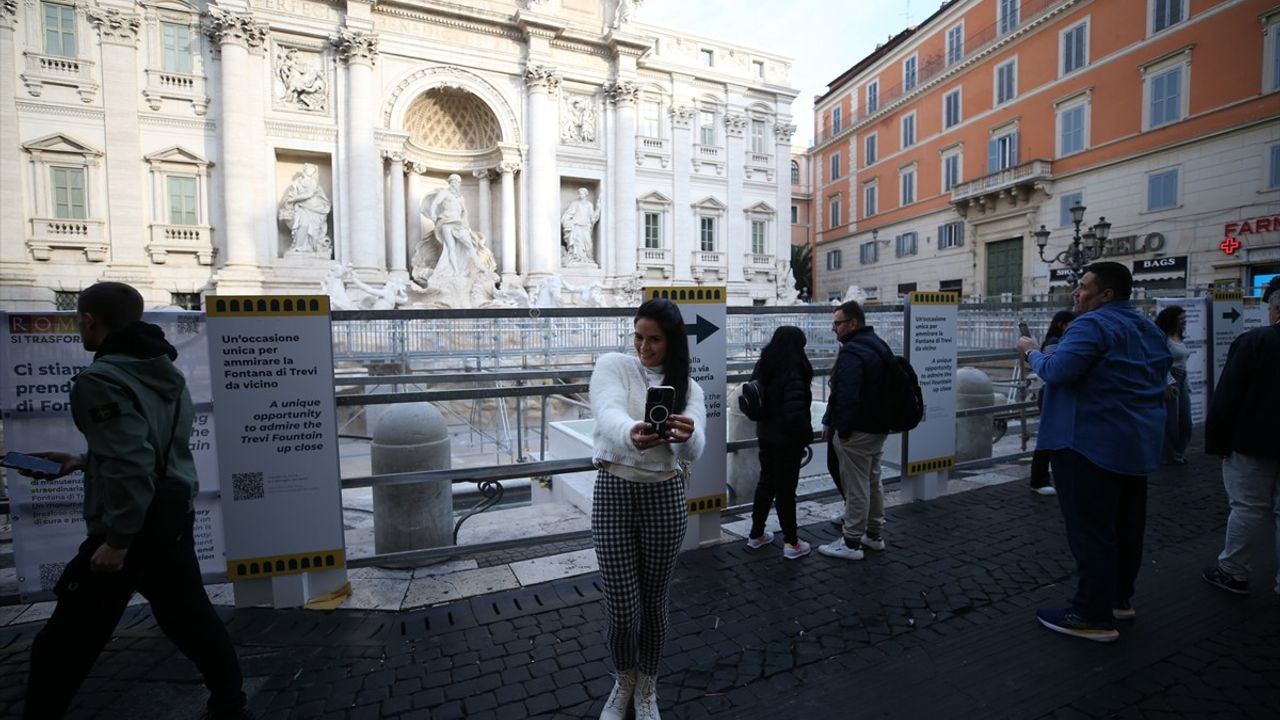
(577, 223)
(452, 261)
(303, 84)
(580, 125)
(622, 15)
(305, 209)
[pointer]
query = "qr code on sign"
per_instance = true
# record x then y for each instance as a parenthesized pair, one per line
(248, 486)
(49, 574)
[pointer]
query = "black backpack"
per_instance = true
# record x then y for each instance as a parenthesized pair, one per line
(900, 402)
(751, 400)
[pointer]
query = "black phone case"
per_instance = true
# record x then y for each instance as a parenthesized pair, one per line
(658, 406)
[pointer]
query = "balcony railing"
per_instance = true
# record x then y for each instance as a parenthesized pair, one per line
(1025, 173)
(760, 261)
(709, 152)
(652, 147)
(659, 259)
(73, 72)
(192, 239)
(49, 234)
(177, 86)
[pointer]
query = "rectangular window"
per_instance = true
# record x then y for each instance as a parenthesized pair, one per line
(1273, 37)
(707, 233)
(955, 44)
(68, 193)
(1274, 181)
(651, 119)
(1002, 152)
(950, 171)
(868, 253)
(706, 127)
(905, 244)
(951, 109)
(955, 286)
(836, 120)
(833, 212)
(869, 151)
(909, 74)
(1006, 81)
(873, 97)
(1071, 122)
(908, 130)
(835, 167)
(1065, 203)
(1075, 48)
(757, 69)
(653, 230)
(869, 200)
(795, 214)
(1162, 190)
(66, 300)
(951, 235)
(708, 57)
(908, 185)
(1008, 16)
(186, 301)
(757, 237)
(177, 48)
(1165, 13)
(1165, 96)
(833, 259)
(757, 136)
(59, 30)
(182, 200)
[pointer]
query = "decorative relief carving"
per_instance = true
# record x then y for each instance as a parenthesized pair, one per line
(542, 77)
(784, 131)
(394, 156)
(115, 26)
(622, 91)
(356, 46)
(8, 9)
(735, 125)
(682, 115)
(228, 27)
(578, 120)
(300, 80)
(455, 78)
(446, 118)
(622, 15)
(510, 167)
(484, 174)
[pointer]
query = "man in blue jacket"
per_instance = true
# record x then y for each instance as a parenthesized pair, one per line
(1103, 421)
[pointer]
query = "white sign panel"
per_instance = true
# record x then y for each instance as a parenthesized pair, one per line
(1227, 322)
(1255, 314)
(271, 359)
(40, 353)
(930, 347)
(1196, 338)
(705, 316)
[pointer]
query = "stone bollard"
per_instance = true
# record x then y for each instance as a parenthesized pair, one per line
(973, 434)
(410, 437)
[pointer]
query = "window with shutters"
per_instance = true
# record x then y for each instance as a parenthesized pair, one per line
(59, 29)
(868, 252)
(951, 109)
(951, 164)
(909, 74)
(955, 44)
(834, 162)
(836, 119)
(1162, 190)
(1002, 151)
(758, 238)
(833, 212)
(1006, 81)
(653, 230)
(908, 130)
(175, 40)
(1073, 126)
(67, 184)
(707, 234)
(1271, 55)
(873, 96)
(1008, 16)
(907, 185)
(1273, 177)
(795, 173)
(1166, 90)
(833, 259)
(651, 119)
(869, 149)
(1164, 14)
(905, 244)
(183, 205)
(951, 235)
(869, 198)
(1074, 43)
(706, 127)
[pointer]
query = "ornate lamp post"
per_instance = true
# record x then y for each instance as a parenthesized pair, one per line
(1084, 248)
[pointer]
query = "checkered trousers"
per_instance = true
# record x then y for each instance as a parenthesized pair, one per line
(637, 529)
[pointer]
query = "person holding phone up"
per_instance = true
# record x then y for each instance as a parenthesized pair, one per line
(639, 514)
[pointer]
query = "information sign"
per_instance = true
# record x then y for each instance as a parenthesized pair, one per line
(928, 451)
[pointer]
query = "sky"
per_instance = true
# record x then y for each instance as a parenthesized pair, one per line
(822, 37)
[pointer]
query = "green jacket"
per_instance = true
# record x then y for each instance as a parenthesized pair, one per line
(124, 405)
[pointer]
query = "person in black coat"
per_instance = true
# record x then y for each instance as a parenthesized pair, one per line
(785, 429)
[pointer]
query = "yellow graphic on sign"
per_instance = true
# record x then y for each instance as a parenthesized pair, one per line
(1228, 295)
(707, 503)
(708, 294)
(266, 305)
(935, 298)
(920, 467)
(276, 565)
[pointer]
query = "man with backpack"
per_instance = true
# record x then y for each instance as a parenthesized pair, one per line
(857, 430)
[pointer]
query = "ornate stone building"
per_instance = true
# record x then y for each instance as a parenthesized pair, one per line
(275, 145)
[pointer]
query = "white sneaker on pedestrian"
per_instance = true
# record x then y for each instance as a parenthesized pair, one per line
(794, 552)
(755, 543)
(624, 687)
(646, 698)
(873, 542)
(838, 549)
(1046, 490)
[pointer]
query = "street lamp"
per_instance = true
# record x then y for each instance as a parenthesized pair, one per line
(1084, 248)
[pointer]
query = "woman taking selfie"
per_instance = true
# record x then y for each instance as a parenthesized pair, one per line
(639, 515)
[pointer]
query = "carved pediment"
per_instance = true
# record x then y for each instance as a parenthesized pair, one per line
(59, 143)
(177, 154)
(653, 198)
(760, 208)
(710, 202)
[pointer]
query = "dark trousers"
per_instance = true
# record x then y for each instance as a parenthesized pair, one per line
(1040, 468)
(1106, 515)
(779, 476)
(1177, 420)
(161, 565)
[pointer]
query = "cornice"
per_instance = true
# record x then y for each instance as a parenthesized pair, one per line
(301, 131)
(58, 109)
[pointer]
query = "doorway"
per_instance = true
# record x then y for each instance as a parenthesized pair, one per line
(1004, 267)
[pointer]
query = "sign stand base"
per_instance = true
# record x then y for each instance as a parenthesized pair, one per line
(925, 487)
(285, 591)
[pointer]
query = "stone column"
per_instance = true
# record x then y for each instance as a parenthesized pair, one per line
(397, 248)
(543, 179)
(16, 278)
(359, 50)
(782, 132)
(508, 170)
(236, 34)
(684, 230)
(624, 95)
(486, 205)
(736, 242)
(412, 209)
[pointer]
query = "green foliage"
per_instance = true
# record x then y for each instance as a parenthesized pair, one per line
(802, 269)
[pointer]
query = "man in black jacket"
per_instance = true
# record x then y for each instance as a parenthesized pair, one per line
(852, 418)
(1241, 428)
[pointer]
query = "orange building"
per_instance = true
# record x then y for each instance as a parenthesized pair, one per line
(939, 156)
(801, 205)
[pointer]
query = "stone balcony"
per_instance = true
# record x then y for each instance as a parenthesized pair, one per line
(760, 264)
(71, 72)
(49, 234)
(190, 239)
(175, 86)
(760, 164)
(709, 262)
(708, 156)
(1015, 184)
(651, 148)
(659, 259)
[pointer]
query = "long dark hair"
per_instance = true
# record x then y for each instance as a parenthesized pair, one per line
(1058, 326)
(785, 349)
(1167, 319)
(675, 366)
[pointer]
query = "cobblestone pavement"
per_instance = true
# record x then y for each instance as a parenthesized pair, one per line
(940, 625)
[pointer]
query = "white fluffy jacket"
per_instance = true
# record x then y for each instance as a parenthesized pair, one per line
(618, 387)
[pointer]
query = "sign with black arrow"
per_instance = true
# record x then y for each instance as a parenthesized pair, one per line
(1228, 309)
(701, 329)
(1233, 315)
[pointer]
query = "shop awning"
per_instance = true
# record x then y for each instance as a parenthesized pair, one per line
(1154, 269)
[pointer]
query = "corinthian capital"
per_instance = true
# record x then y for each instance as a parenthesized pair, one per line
(784, 131)
(115, 26)
(227, 27)
(542, 77)
(509, 167)
(355, 46)
(8, 13)
(622, 91)
(735, 124)
(682, 115)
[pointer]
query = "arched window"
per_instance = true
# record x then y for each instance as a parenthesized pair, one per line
(795, 173)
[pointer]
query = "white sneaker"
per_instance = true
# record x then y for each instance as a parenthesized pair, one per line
(1046, 490)
(837, 549)
(794, 552)
(873, 543)
(624, 687)
(646, 698)
(757, 543)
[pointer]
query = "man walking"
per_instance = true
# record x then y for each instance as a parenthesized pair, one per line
(132, 406)
(856, 432)
(1103, 422)
(1240, 427)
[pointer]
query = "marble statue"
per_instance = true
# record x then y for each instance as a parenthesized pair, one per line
(787, 293)
(580, 125)
(305, 208)
(578, 221)
(590, 295)
(622, 15)
(853, 292)
(334, 285)
(452, 261)
(513, 296)
(391, 294)
(548, 293)
(303, 84)
(631, 293)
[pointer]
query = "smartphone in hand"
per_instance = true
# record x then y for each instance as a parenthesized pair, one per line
(1024, 329)
(659, 405)
(32, 463)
